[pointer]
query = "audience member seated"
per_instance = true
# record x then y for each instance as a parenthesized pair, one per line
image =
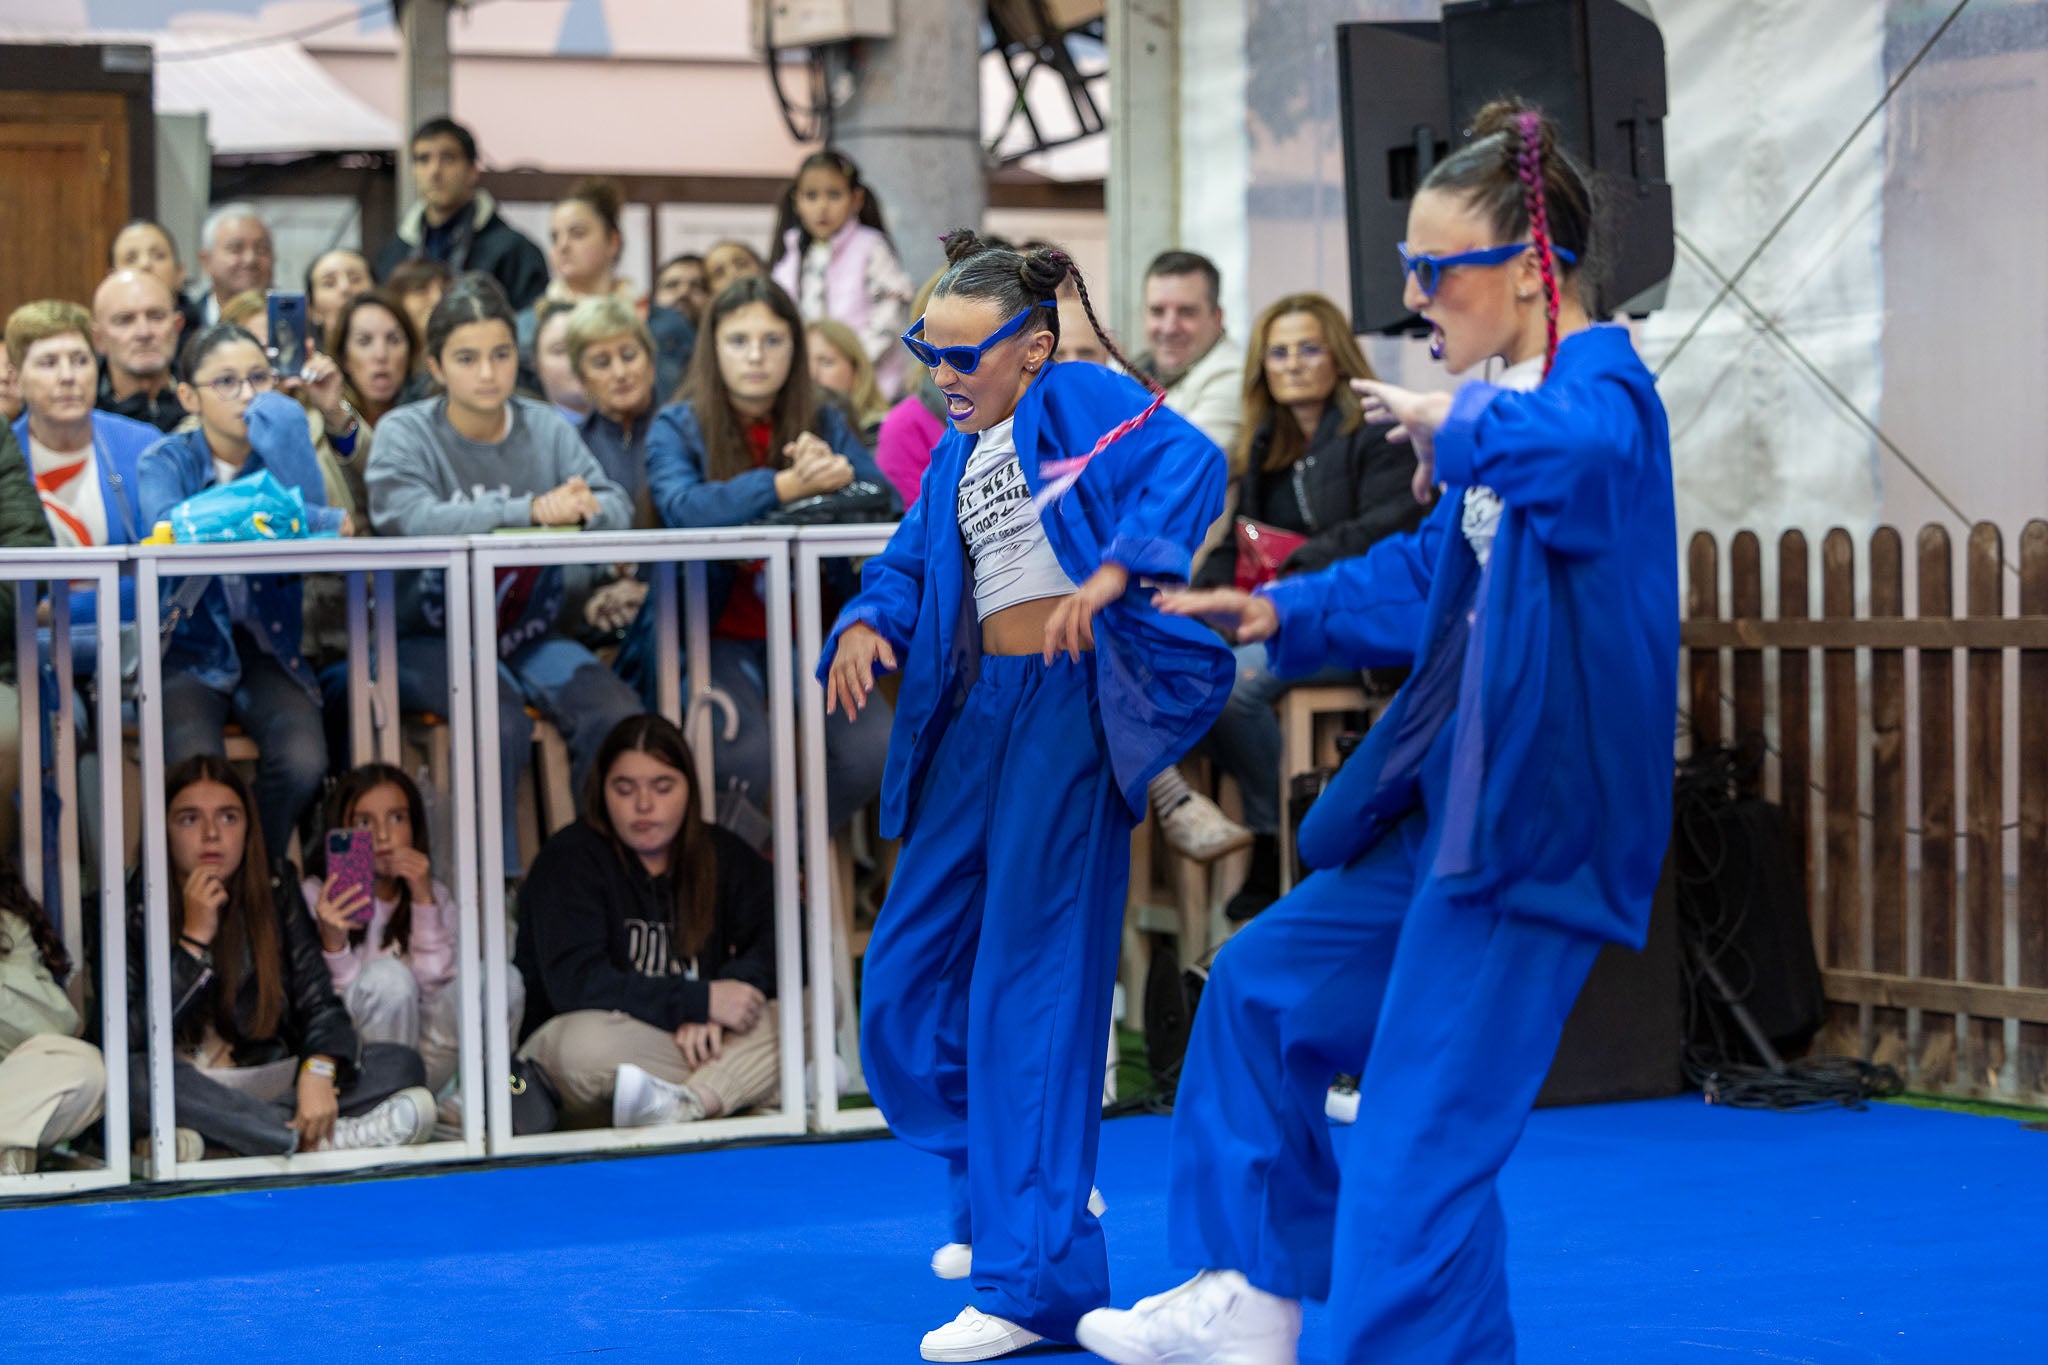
(647, 937)
(1314, 470)
(52, 1082)
(136, 327)
(267, 1061)
(235, 255)
(749, 438)
(373, 341)
(611, 355)
(22, 526)
(728, 261)
(838, 364)
(234, 652)
(419, 286)
(456, 224)
(584, 241)
(392, 952)
(558, 381)
(332, 423)
(479, 459)
(84, 460)
(332, 281)
(148, 247)
(1191, 357)
(682, 285)
(914, 427)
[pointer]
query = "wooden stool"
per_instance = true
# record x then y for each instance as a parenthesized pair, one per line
(1309, 718)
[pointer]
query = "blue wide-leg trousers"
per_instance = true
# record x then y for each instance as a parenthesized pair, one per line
(986, 988)
(1451, 1014)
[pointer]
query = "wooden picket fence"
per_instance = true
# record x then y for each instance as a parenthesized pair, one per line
(1913, 895)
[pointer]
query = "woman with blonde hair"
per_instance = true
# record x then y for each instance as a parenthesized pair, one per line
(1320, 484)
(839, 363)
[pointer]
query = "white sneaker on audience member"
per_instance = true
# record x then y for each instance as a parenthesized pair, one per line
(404, 1120)
(22, 1161)
(640, 1100)
(1217, 1318)
(1198, 829)
(976, 1335)
(191, 1146)
(955, 1260)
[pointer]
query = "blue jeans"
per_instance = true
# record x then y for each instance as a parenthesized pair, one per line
(559, 678)
(1245, 741)
(274, 711)
(855, 751)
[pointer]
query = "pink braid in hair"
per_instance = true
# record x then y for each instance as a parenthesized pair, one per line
(1529, 166)
(1061, 474)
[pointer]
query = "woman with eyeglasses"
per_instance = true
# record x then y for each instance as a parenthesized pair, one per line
(1504, 819)
(234, 650)
(1025, 735)
(1320, 484)
(749, 438)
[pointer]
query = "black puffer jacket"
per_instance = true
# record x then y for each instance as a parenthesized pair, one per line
(314, 1022)
(1347, 492)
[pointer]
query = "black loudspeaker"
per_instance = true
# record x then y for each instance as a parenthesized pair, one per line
(1408, 92)
(1622, 1039)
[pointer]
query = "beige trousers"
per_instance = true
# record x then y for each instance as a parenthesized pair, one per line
(51, 1088)
(581, 1052)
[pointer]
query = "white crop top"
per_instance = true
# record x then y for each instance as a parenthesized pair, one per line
(1013, 561)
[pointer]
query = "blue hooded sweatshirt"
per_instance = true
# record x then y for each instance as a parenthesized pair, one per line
(1145, 503)
(1562, 688)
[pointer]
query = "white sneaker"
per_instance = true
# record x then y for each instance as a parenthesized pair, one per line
(1198, 829)
(955, 1260)
(404, 1120)
(1217, 1318)
(975, 1335)
(22, 1161)
(640, 1100)
(191, 1146)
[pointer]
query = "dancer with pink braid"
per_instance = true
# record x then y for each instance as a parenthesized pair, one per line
(1505, 817)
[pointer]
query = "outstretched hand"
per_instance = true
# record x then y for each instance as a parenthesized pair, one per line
(1245, 617)
(1417, 417)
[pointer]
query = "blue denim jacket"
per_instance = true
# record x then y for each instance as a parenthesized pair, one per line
(181, 464)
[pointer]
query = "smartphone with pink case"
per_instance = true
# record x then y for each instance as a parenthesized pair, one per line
(352, 861)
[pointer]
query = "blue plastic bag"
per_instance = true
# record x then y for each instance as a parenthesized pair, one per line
(255, 507)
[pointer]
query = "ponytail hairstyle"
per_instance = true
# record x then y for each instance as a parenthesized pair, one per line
(602, 197)
(870, 213)
(1515, 174)
(206, 341)
(17, 900)
(1014, 281)
(474, 297)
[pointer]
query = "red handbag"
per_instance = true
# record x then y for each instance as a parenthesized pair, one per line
(1261, 550)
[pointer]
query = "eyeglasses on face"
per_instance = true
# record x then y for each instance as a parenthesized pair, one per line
(1429, 270)
(228, 387)
(965, 359)
(1307, 352)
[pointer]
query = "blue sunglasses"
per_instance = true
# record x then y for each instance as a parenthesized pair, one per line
(966, 359)
(1429, 270)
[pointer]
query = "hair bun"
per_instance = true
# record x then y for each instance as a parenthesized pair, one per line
(960, 244)
(1504, 116)
(1044, 270)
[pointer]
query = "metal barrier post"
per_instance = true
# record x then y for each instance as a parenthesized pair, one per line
(814, 545)
(693, 550)
(24, 568)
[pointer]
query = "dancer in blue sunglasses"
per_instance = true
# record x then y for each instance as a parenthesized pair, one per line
(1042, 689)
(1506, 816)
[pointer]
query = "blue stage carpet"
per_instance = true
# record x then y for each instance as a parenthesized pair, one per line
(1646, 1232)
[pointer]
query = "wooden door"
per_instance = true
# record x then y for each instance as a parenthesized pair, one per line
(63, 192)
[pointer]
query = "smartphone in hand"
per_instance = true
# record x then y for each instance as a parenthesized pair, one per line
(352, 861)
(290, 346)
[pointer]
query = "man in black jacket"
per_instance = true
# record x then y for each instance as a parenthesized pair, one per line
(456, 223)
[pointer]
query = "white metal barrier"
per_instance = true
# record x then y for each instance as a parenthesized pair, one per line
(814, 545)
(373, 686)
(663, 550)
(61, 569)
